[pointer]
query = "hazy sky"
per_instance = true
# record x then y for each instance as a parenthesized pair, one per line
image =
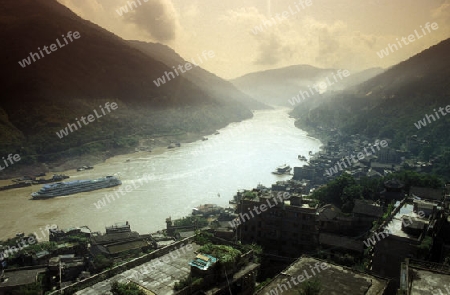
(328, 33)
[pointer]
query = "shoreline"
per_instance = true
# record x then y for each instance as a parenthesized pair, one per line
(140, 163)
(313, 133)
(156, 145)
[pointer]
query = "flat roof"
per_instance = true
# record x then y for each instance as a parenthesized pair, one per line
(429, 283)
(395, 225)
(158, 278)
(21, 277)
(335, 279)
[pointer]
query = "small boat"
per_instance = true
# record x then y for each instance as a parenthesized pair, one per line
(283, 169)
(207, 210)
(82, 168)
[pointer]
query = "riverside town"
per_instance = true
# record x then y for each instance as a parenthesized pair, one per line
(23, 243)
(360, 155)
(238, 147)
(263, 207)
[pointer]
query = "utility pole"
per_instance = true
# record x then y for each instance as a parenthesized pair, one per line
(60, 291)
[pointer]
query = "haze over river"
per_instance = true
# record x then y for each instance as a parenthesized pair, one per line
(241, 156)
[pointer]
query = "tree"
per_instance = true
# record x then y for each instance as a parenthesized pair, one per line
(32, 289)
(349, 194)
(339, 191)
(101, 262)
(126, 289)
(310, 287)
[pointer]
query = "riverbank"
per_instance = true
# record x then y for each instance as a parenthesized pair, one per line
(322, 136)
(243, 155)
(153, 145)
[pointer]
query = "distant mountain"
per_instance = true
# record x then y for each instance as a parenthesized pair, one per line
(362, 76)
(279, 86)
(390, 104)
(209, 82)
(66, 82)
(426, 72)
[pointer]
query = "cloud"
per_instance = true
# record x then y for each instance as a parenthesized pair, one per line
(192, 10)
(442, 13)
(157, 18)
(85, 8)
(302, 39)
(270, 46)
(269, 50)
(245, 16)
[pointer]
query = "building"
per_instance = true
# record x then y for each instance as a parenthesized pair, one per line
(331, 278)
(237, 276)
(58, 235)
(157, 272)
(388, 155)
(285, 225)
(405, 232)
(11, 281)
(427, 193)
(424, 278)
(181, 269)
(305, 172)
(332, 220)
(118, 239)
(365, 213)
(68, 265)
(337, 245)
(393, 191)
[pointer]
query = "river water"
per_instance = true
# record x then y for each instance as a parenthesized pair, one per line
(172, 182)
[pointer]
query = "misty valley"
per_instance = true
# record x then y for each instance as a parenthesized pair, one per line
(234, 147)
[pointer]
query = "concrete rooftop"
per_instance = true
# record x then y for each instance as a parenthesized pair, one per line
(430, 283)
(395, 226)
(334, 280)
(159, 281)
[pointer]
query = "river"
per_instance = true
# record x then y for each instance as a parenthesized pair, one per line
(172, 182)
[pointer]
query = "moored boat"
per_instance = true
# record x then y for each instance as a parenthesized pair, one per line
(82, 168)
(302, 158)
(283, 169)
(207, 210)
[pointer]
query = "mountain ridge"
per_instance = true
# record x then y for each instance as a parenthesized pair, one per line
(198, 75)
(280, 86)
(41, 98)
(390, 104)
